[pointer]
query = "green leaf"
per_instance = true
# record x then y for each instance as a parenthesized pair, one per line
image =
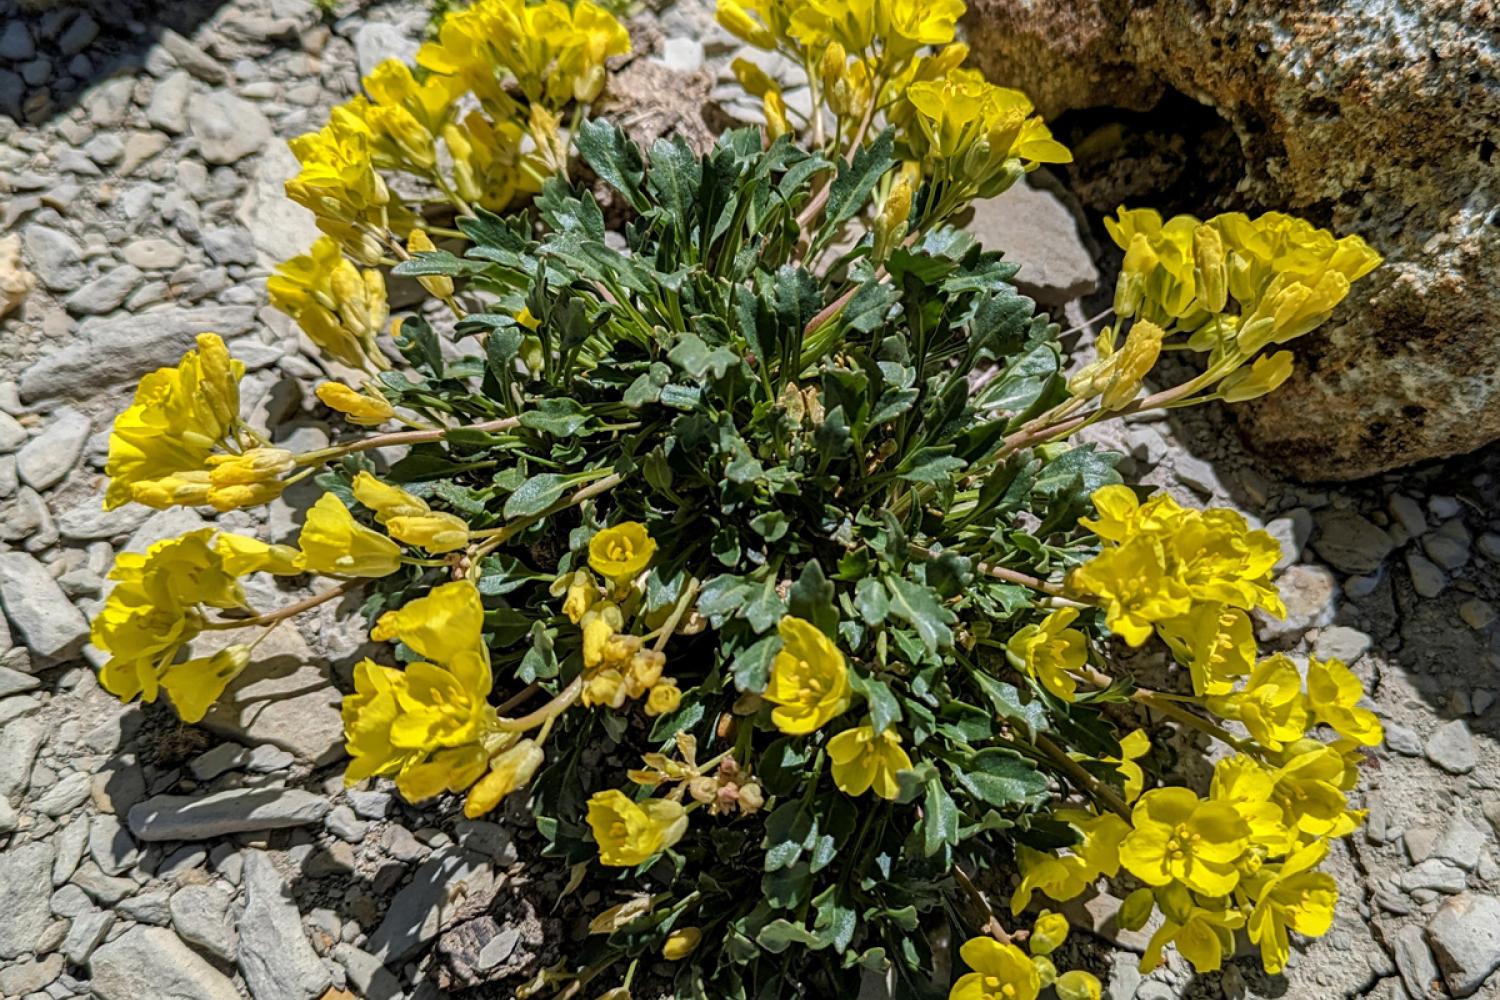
(872, 601)
(1008, 705)
(939, 818)
(500, 573)
(811, 598)
(931, 465)
(765, 608)
(918, 606)
(675, 178)
(436, 263)
(851, 188)
(615, 158)
(1002, 778)
(558, 417)
(751, 668)
(540, 661)
(789, 832)
(536, 495)
(779, 935)
(1077, 473)
(885, 708)
(419, 345)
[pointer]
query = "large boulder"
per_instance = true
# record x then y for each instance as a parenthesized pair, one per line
(1373, 118)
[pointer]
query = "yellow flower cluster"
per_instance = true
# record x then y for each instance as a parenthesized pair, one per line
(1002, 971)
(616, 665)
(341, 308)
(1159, 561)
(156, 608)
(1242, 858)
(1234, 285)
(430, 725)
(522, 62)
(181, 441)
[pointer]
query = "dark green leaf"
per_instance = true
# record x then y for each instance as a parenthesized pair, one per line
(536, 495)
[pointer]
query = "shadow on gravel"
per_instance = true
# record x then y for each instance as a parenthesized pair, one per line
(51, 53)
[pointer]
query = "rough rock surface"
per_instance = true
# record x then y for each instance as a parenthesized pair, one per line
(1376, 118)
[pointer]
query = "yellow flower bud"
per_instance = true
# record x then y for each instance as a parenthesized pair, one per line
(1046, 971)
(644, 671)
(509, 771)
(1263, 376)
(419, 242)
(681, 943)
(357, 407)
(1210, 273)
(437, 532)
(753, 78)
(1049, 933)
(1077, 985)
(1136, 909)
(195, 685)
(385, 500)
(737, 21)
(774, 109)
(238, 495)
(665, 697)
(257, 465)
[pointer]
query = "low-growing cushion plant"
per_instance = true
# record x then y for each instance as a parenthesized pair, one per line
(770, 490)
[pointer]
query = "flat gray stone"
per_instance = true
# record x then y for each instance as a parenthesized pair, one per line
(1034, 229)
(1350, 542)
(26, 874)
(285, 698)
(110, 845)
(152, 962)
(65, 796)
(1451, 747)
(228, 128)
(237, 810)
(417, 913)
(279, 227)
(56, 258)
(85, 934)
(1465, 938)
(48, 623)
(152, 254)
(276, 959)
(167, 109)
(115, 350)
(48, 457)
(105, 293)
(200, 915)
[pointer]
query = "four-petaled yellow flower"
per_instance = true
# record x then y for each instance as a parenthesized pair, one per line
(1050, 651)
(809, 681)
(333, 542)
(863, 759)
(1333, 694)
(1179, 838)
(1001, 972)
(1292, 898)
(1270, 705)
(1203, 934)
(622, 551)
(630, 833)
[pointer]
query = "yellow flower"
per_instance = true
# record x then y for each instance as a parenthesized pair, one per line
(510, 770)
(733, 18)
(194, 685)
(863, 759)
(1311, 786)
(1333, 694)
(357, 407)
(1178, 837)
(177, 419)
(1001, 972)
(1134, 583)
(1049, 651)
(664, 698)
(1244, 784)
(1294, 898)
(621, 552)
(437, 532)
(1122, 517)
(581, 590)
(1202, 935)
(1116, 375)
(367, 715)
(333, 542)
(242, 556)
(681, 943)
(1078, 985)
(809, 683)
(1216, 642)
(630, 833)
(1048, 933)
(1270, 706)
(850, 23)
(1266, 374)
(1063, 876)
(906, 25)
(341, 308)
(1134, 746)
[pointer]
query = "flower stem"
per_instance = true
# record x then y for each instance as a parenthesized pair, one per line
(272, 617)
(559, 704)
(402, 438)
(1082, 778)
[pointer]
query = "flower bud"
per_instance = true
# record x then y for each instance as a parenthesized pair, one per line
(1136, 910)
(437, 532)
(1210, 274)
(681, 943)
(1077, 985)
(1049, 933)
(357, 407)
(664, 698)
(419, 242)
(775, 111)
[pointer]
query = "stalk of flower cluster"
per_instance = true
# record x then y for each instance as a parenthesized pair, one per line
(402, 438)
